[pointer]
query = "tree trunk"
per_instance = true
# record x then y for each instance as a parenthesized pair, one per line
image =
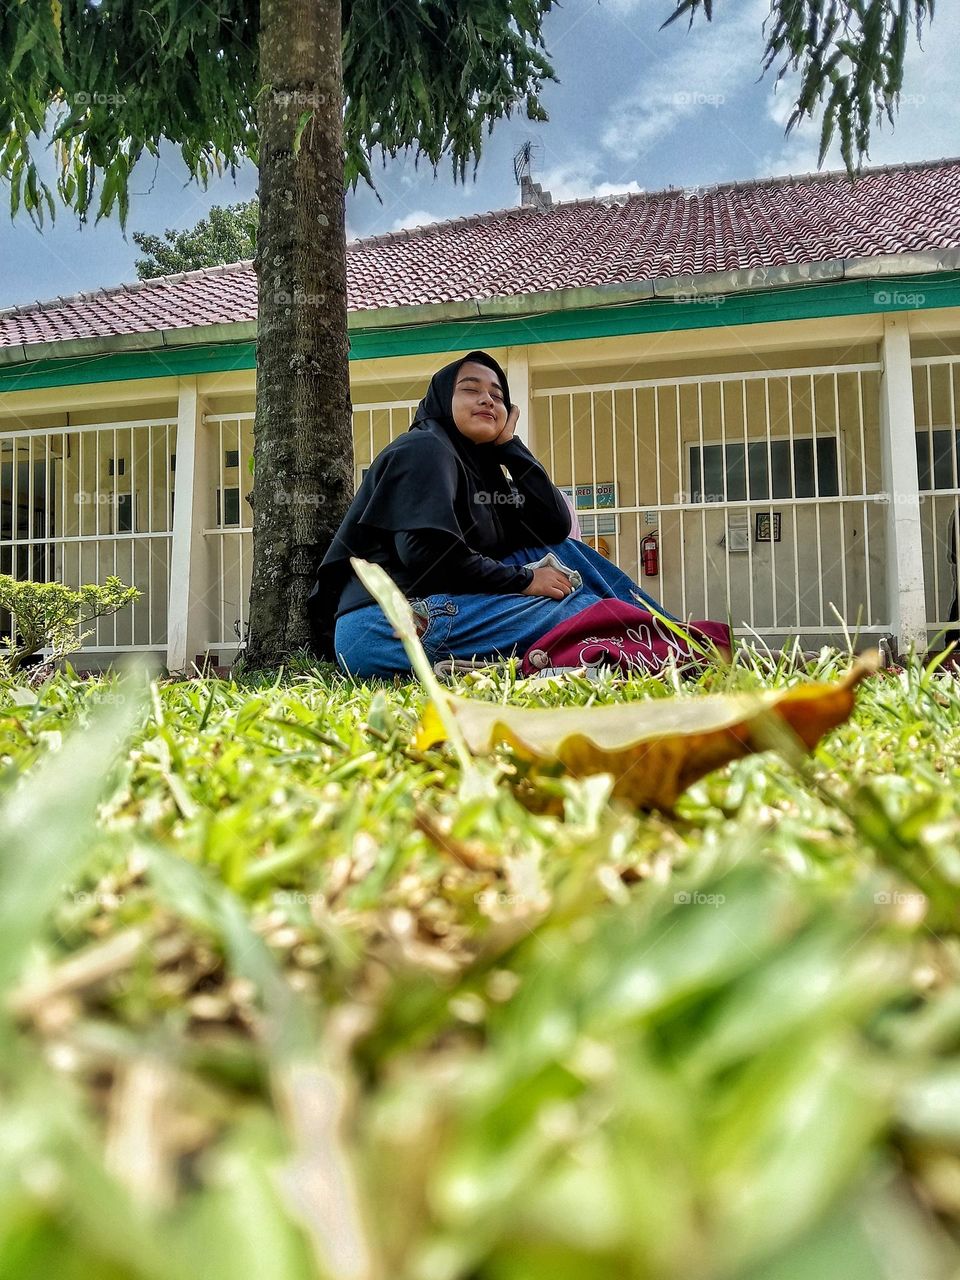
(303, 435)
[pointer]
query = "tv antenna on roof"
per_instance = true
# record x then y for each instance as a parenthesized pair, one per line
(531, 194)
(524, 160)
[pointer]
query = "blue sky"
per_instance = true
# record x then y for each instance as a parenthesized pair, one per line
(636, 109)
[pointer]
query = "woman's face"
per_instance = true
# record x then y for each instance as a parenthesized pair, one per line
(478, 406)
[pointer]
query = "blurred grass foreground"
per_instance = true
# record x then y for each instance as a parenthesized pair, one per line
(284, 997)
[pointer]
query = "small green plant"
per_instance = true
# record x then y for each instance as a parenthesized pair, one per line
(48, 615)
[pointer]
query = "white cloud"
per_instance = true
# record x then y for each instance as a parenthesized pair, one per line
(581, 178)
(615, 188)
(707, 67)
(415, 218)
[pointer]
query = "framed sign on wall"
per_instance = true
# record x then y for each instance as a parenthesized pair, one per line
(593, 498)
(767, 526)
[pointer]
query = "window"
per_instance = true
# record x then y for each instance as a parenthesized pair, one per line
(231, 458)
(750, 467)
(124, 523)
(937, 459)
(17, 518)
(231, 507)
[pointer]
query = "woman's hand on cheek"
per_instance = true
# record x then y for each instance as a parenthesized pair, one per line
(510, 427)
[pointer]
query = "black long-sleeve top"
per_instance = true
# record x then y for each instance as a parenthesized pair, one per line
(427, 561)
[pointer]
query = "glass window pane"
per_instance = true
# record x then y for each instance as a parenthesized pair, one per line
(696, 476)
(124, 513)
(712, 473)
(736, 474)
(780, 460)
(231, 507)
(759, 473)
(747, 470)
(828, 470)
(803, 468)
(706, 480)
(923, 459)
(942, 461)
(936, 465)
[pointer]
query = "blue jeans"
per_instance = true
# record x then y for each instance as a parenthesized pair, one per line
(482, 626)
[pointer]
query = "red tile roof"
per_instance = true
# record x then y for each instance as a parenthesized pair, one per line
(618, 240)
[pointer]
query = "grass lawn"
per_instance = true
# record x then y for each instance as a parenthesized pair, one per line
(284, 997)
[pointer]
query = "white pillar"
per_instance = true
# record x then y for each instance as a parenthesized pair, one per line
(518, 375)
(191, 615)
(905, 585)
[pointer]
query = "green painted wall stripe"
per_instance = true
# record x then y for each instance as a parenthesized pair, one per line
(121, 366)
(848, 297)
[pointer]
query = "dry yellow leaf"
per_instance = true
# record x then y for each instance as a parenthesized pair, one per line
(654, 749)
(657, 748)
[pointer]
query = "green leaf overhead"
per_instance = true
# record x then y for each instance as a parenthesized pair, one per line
(109, 82)
(849, 53)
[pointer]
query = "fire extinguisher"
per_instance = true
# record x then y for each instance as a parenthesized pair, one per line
(650, 555)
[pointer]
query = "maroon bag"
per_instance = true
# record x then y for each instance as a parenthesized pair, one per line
(622, 635)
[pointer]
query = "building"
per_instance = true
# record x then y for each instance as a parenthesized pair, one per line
(763, 376)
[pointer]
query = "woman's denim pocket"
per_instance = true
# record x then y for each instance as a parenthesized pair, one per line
(434, 617)
(421, 617)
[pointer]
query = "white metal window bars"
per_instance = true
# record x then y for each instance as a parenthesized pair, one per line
(656, 417)
(231, 534)
(63, 492)
(936, 383)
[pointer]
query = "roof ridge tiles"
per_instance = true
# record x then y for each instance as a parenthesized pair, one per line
(736, 184)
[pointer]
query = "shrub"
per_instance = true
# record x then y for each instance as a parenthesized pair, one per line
(48, 615)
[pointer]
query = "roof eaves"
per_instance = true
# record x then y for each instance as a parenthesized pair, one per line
(152, 340)
(679, 288)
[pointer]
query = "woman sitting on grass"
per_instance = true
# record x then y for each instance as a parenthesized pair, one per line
(437, 512)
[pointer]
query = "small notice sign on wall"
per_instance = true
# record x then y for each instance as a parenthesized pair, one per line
(768, 526)
(591, 497)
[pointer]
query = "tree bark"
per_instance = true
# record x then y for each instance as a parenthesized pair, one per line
(303, 435)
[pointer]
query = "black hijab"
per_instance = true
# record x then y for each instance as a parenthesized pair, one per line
(405, 488)
(437, 406)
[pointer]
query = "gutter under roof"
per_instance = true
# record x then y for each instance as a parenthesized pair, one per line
(594, 297)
